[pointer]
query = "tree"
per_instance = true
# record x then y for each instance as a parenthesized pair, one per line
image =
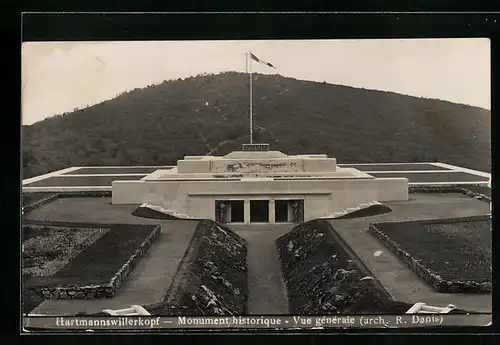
(303, 142)
(256, 136)
(235, 132)
(28, 158)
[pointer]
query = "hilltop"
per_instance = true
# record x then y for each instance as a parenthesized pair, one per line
(159, 124)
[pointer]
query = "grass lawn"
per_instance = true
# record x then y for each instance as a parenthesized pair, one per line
(115, 170)
(62, 181)
(393, 167)
(47, 249)
(434, 177)
(99, 262)
(452, 255)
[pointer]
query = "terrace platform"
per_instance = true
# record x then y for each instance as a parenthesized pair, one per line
(100, 178)
(150, 279)
(394, 275)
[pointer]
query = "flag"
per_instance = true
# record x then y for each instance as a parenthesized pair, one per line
(261, 61)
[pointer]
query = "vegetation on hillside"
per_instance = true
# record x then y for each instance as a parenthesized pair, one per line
(158, 125)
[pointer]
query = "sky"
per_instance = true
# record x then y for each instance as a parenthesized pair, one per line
(59, 77)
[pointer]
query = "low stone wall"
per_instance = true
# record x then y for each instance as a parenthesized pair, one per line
(120, 276)
(81, 194)
(39, 203)
(324, 277)
(211, 278)
(436, 281)
(100, 290)
(85, 194)
(479, 196)
(450, 189)
(77, 292)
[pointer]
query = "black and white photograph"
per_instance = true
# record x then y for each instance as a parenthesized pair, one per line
(308, 179)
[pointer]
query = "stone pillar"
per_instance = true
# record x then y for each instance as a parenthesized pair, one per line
(290, 212)
(246, 210)
(227, 215)
(272, 209)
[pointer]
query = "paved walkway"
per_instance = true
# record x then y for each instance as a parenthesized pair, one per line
(150, 279)
(267, 292)
(395, 276)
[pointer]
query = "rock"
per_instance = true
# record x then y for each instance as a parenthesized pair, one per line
(338, 298)
(486, 286)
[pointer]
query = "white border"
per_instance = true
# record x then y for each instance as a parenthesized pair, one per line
(64, 173)
(409, 171)
(97, 175)
(61, 189)
(448, 184)
(399, 163)
(465, 170)
(46, 176)
(125, 166)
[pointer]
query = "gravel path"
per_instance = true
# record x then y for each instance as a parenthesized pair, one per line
(267, 292)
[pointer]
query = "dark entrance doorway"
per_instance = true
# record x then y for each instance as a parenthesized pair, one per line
(237, 211)
(259, 211)
(229, 211)
(281, 211)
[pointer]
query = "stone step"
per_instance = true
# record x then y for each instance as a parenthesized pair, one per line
(423, 308)
(133, 310)
(159, 209)
(168, 212)
(354, 209)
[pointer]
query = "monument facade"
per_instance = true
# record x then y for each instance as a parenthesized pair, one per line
(257, 185)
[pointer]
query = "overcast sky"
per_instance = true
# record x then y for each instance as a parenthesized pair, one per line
(60, 76)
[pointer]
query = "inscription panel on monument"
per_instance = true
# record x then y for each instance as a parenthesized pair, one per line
(255, 147)
(256, 166)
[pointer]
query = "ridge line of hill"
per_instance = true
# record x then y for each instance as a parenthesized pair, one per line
(159, 124)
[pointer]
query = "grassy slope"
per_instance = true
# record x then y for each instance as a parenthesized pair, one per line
(159, 124)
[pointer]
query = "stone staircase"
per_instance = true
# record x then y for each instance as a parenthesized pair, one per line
(352, 209)
(168, 212)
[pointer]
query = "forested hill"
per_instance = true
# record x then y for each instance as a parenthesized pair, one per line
(159, 124)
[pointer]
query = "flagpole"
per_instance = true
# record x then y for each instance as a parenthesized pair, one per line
(251, 100)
